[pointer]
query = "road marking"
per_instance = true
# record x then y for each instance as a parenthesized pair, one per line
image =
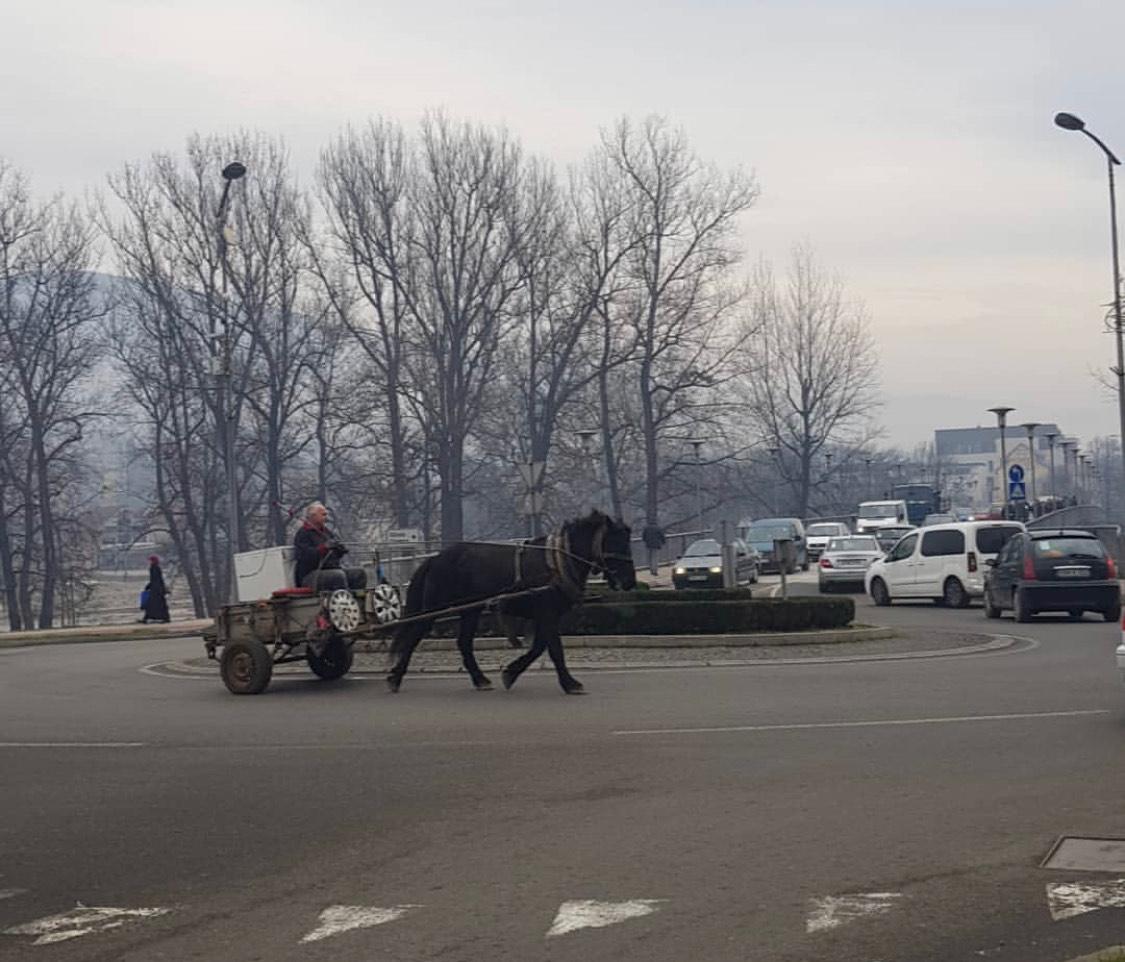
(591, 914)
(832, 911)
(1068, 899)
(72, 744)
(343, 918)
(889, 722)
(11, 893)
(79, 921)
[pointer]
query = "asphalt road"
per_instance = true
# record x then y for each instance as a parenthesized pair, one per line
(711, 814)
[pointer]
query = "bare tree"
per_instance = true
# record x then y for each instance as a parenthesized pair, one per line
(683, 217)
(48, 347)
(810, 370)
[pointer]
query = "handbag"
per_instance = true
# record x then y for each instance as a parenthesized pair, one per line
(144, 598)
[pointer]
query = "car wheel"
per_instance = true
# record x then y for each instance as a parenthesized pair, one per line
(1020, 610)
(879, 593)
(990, 610)
(1075, 614)
(1112, 613)
(805, 565)
(824, 588)
(954, 594)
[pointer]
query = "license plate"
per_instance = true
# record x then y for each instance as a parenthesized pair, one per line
(852, 562)
(697, 577)
(1072, 572)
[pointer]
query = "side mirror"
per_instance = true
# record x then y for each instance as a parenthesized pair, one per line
(991, 562)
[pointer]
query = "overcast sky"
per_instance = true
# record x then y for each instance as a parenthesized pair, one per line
(910, 143)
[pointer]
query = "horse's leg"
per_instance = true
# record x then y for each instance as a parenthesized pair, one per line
(570, 684)
(514, 669)
(511, 625)
(466, 632)
(405, 644)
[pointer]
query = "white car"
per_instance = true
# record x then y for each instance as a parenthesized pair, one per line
(944, 563)
(819, 533)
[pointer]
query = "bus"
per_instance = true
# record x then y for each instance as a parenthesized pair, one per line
(921, 500)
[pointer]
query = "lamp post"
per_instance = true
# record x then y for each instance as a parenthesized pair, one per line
(1071, 122)
(225, 393)
(1051, 447)
(828, 478)
(775, 458)
(867, 462)
(1002, 413)
(697, 444)
(586, 436)
(1030, 427)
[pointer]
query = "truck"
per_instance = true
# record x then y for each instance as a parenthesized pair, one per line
(921, 499)
(873, 515)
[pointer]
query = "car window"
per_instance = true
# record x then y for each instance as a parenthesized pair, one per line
(1067, 548)
(991, 539)
(935, 543)
(702, 549)
(904, 549)
(853, 544)
(1012, 551)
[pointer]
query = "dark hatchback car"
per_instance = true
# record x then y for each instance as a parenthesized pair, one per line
(1052, 571)
(702, 565)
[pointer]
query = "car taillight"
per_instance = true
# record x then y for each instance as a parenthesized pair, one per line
(1028, 568)
(825, 563)
(1111, 565)
(972, 561)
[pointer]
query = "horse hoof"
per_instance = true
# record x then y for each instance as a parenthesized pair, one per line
(508, 678)
(484, 684)
(393, 685)
(575, 688)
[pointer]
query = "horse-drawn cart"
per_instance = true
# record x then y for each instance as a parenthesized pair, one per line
(291, 624)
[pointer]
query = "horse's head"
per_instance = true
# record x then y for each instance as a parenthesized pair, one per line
(612, 551)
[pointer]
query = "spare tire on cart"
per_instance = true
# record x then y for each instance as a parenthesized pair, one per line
(332, 661)
(246, 667)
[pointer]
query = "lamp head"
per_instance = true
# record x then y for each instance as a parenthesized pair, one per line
(1069, 122)
(233, 170)
(1001, 414)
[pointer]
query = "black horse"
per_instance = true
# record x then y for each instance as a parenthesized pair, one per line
(553, 572)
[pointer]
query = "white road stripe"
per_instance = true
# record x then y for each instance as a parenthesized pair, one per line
(1068, 899)
(343, 918)
(591, 914)
(72, 744)
(83, 920)
(888, 722)
(832, 911)
(11, 893)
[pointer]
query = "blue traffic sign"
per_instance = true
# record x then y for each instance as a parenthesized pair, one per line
(1015, 473)
(1017, 491)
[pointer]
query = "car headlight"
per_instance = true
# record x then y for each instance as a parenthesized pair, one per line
(681, 571)
(716, 571)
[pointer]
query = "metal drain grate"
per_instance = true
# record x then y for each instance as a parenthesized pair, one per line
(1079, 853)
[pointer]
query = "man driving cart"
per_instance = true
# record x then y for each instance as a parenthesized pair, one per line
(318, 552)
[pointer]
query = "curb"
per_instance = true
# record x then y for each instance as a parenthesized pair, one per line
(104, 633)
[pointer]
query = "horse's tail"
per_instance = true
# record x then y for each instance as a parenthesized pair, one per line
(415, 604)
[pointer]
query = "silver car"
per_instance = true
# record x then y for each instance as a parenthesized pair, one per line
(845, 561)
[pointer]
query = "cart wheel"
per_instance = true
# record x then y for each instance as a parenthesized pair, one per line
(343, 610)
(246, 667)
(334, 661)
(385, 603)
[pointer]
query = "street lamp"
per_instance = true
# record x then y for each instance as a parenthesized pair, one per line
(586, 436)
(1051, 446)
(1071, 122)
(225, 399)
(775, 457)
(697, 444)
(867, 462)
(1030, 427)
(1002, 413)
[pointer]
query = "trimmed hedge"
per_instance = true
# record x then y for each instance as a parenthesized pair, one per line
(687, 596)
(681, 613)
(697, 617)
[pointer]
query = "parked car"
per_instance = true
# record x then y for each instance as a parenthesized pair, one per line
(819, 533)
(889, 537)
(702, 565)
(1065, 570)
(762, 534)
(845, 561)
(945, 562)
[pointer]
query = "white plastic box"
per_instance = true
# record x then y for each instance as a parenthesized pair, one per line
(260, 573)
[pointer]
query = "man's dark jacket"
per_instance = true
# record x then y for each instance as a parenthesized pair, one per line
(311, 545)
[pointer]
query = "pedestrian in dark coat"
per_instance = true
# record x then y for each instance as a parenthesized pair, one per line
(156, 603)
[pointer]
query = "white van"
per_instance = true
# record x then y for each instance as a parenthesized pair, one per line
(873, 515)
(944, 562)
